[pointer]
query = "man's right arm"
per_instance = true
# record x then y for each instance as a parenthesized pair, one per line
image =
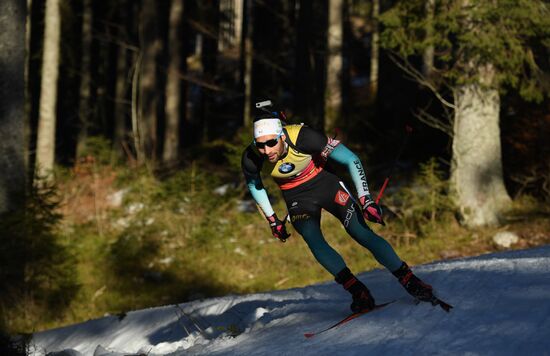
(251, 165)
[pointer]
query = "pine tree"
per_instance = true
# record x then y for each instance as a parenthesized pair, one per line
(375, 52)
(333, 90)
(248, 56)
(84, 109)
(174, 104)
(149, 95)
(481, 49)
(45, 147)
(12, 107)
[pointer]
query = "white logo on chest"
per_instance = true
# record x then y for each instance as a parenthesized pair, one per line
(286, 167)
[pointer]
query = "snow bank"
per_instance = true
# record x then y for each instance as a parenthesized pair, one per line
(501, 307)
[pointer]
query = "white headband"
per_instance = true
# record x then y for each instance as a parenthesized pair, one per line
(264, 127)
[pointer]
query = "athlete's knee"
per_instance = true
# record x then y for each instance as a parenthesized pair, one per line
(365, 236)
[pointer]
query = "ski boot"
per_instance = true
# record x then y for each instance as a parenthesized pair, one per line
(362, 299)
(414, 286)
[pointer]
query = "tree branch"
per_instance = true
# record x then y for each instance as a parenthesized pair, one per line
(418, 77)
(434, 122)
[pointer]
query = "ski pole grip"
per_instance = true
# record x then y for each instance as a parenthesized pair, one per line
(386, 181)
(285, 220)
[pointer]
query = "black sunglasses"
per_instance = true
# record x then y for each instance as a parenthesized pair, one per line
(269, 143)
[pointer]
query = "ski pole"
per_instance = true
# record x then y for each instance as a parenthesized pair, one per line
(408, 130)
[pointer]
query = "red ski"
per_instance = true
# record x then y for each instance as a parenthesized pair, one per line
(348, 318)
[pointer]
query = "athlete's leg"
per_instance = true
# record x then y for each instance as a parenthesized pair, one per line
(342, 207)
(337, 200)
(309, 227)
(303, 204)
(333, 262)
(382, 251)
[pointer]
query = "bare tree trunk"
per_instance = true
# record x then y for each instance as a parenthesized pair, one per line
(28, 90)
(151, 46)
(238, 22)
(333, 93)
(209, 59)
(477, 177)
(45, 148)
(85, 75)
(305, 82)
(428, 55)
(136, 112)
(248, 55)
(375, 52)
(12, 104)
(123, 81)
(224, 38)
(238, 19)
(230, 24)
(173, 105)
(121, 102)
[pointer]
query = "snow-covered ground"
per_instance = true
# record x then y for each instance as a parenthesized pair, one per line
(501, 307)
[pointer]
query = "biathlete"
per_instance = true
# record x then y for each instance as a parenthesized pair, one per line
(295, 156)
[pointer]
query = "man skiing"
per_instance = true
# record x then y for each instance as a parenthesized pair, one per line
(295, 156)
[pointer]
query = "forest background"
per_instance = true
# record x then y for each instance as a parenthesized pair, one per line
(122, 125)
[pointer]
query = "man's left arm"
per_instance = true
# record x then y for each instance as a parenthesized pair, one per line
(346, 157)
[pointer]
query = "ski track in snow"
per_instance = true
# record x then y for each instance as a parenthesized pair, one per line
(501, 307)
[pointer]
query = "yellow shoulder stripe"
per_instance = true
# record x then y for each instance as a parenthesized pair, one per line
(293, 131)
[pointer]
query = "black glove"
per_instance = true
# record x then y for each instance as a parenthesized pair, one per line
(371, 210)
(278, 228)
